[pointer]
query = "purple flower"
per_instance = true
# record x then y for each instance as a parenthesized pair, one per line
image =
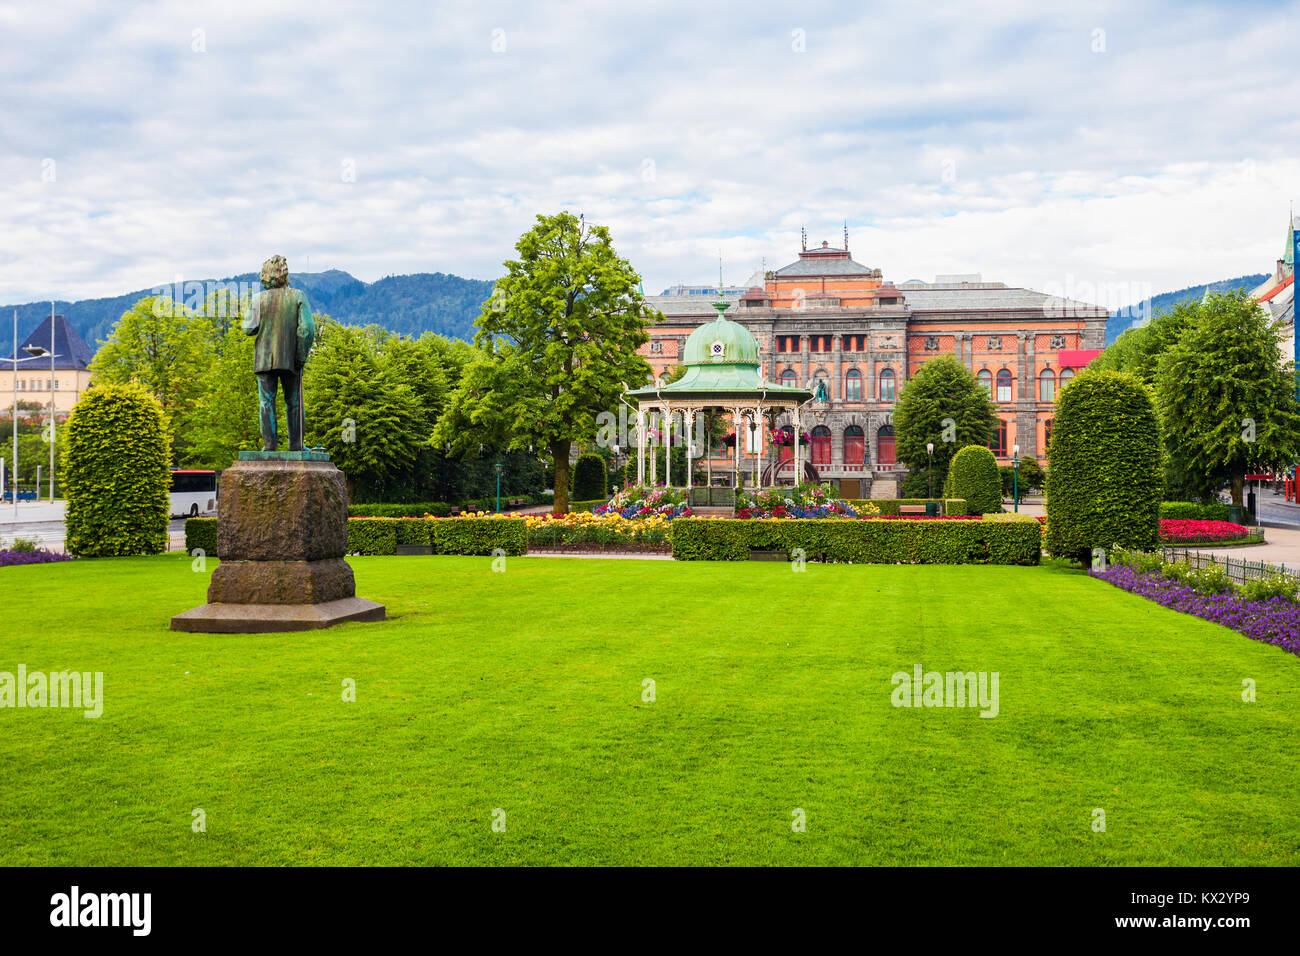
(1275, 621)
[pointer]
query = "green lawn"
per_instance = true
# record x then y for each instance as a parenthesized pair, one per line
(523, 691)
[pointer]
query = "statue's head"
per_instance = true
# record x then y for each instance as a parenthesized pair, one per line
(275, 273)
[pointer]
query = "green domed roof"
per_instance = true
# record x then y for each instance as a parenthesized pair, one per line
(721, 342)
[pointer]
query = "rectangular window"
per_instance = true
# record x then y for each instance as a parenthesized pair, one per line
(999, 444)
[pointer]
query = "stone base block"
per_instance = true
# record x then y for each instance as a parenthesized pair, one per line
(272, 618)
(281, 582)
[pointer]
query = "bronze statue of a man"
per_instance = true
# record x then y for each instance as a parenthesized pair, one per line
(281, 319)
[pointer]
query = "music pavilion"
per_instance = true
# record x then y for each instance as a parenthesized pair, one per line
(828, 343)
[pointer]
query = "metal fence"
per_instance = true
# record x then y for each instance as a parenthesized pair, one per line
(1238, 569)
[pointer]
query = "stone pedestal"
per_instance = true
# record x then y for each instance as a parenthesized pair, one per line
(281, 536)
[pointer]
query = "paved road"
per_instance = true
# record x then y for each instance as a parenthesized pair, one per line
(44, 522)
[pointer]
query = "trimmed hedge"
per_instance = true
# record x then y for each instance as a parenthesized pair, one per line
(374, 535)
(1104, 478)
(587, 505)
(439, 509)
(590, 477)
(974, 476)
(1193, 511)
(115, 473)
(201, 533)
(478, 535)
(860, 542)
(890, 506)
(445, 535)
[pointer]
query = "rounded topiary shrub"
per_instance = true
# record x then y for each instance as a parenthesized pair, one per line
(1104, 479)
(590, 479)
(974, 476)
(115, 473)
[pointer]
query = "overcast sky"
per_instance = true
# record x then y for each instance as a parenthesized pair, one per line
(1121, 147)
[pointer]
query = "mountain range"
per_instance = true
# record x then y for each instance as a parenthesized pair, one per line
(437, 302)
(1122, 320)
(409, 304)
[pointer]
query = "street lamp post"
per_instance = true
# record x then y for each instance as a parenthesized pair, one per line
(498, 468)
(929, 472)
(1015, 477)
(35, 352)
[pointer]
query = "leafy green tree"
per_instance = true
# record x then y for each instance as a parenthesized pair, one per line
(1138, 351)
(163, 347)
(558, 339)
(115, 472)
(942, 391)
(357, 408)
(1227, 398)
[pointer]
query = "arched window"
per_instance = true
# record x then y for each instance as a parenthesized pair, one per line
(853, 385)
(1004, 385)
(885, 385)
(885, 453)
(855, 446)
(787, 377)
(1047, 386)
(1067, 376)
(821, 445)
(986, 379)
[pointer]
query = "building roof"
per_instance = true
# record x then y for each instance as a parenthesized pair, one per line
(72, 351)
(1277, 288)
(990, 296)
(825, 266)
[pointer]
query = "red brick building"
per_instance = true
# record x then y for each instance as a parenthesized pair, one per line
(840, 329)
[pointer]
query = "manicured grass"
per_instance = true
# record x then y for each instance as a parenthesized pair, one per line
(523, 691)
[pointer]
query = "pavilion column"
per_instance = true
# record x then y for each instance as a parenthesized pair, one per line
(688, 434)
(739, 424)
(794, 415)
(640, 446)
(654, 449)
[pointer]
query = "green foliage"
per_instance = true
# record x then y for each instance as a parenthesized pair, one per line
(115, 473)
(479, 535)
(438, 509)
(591, 505)
(590, 478)
(1271, 587)
(559, 337)
(1031, 477)
(1194, 511)
(165, 348)
(1138, 351)
(890, 506)
(973, 476)
(1103, 483)
(359, 409)
(1227, 398)
(860, 542)
(201, 534)
(372, 535)
(942, 389)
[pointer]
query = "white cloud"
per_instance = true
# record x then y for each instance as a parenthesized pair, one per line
(1163, 161)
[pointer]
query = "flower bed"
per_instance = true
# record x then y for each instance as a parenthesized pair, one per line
(643, 501)
(799, 501)
(1196, 531)
(38, 556)
(609, 528)
(1273, 621)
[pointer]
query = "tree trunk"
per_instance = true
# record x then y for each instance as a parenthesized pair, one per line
(560, 455)
(1237, 484)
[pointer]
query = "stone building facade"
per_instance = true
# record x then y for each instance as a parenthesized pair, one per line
(838, 328)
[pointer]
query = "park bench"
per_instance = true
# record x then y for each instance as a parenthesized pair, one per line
(911, 509)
